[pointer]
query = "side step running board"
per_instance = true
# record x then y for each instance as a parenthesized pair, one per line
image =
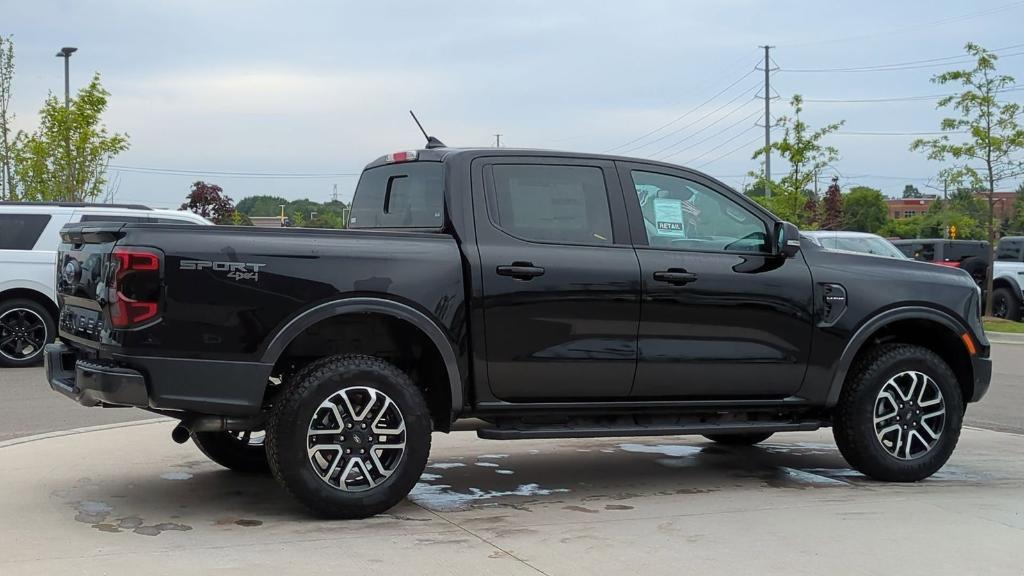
(520, 431)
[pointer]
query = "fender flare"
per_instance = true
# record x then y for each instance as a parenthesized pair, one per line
(869, 328)
(300, 323)
(1011, 280)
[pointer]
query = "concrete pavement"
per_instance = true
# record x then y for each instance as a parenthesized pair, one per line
(129, 501)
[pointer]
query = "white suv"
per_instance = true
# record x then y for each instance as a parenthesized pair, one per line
(29, 235)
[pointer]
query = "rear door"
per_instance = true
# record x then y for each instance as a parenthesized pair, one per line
(720, 316)
(560, 280)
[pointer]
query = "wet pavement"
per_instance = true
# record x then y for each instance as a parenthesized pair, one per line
(129, 500)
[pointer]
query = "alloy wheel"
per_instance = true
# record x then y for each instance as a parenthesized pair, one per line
(356, 439)
(910, 415)
(22, 334)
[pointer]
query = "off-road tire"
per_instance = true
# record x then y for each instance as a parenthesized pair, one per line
(739, 439)
(43, 314)
(290, 420)
(232, 452)
(853, 425)
(1012, 303)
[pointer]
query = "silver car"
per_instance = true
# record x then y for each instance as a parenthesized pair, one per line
(861, 242)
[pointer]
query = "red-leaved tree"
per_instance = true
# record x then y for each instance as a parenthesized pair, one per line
(832, 207)
(210, 202)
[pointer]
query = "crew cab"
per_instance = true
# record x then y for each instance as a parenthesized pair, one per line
(29, 235)
(1008, 278)
(546, 294)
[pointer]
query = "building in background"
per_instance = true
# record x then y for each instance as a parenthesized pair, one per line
(907, 207)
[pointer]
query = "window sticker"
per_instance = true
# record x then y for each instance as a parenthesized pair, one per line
(668, 217)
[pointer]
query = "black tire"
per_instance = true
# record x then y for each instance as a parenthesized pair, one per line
(739, 439)
(22, 318)
(1005, 304)
(854, 425)
(292, 419)
(233, 450)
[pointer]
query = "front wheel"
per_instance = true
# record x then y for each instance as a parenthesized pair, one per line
(350, 437)
(1005, 304)
(899, 414)
(25, 328)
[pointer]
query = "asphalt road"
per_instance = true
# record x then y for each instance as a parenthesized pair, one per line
(28, 406)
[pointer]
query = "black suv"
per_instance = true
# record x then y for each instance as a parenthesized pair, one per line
(549, 294)
(973, 256)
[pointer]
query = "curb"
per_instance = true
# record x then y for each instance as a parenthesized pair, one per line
(1005, 337)
(59, 433)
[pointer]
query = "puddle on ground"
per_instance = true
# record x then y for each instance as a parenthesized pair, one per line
(492, 456)
(176, 476)
(445, 465)
(504, 471)
(441, 498)
(428, 477)
(807, 477)
(677, 450)
(487, 464)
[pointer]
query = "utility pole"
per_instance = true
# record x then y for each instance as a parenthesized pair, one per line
(767, 123)
(334, 195)
(497, 140)
(66, 53)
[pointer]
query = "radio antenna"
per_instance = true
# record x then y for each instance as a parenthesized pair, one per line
(431, 141)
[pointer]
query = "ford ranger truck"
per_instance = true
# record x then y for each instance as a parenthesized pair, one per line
(546, 294)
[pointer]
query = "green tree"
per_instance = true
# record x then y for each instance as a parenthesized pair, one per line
(67, 157)
(801, 147)
(864, 210)
(990, 151)
(210, 202)
(7, 188)
(911, 191)
(261, 205)
(1016, 224)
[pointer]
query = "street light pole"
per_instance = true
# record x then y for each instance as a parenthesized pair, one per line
(66, 53)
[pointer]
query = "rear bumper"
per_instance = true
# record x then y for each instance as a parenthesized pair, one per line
(982, 377)
(93, 382)
(103, 378)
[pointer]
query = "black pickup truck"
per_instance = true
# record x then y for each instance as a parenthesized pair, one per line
(546, 294)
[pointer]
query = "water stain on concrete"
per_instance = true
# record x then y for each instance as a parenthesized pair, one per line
(92, 511)
(157, 529)
(617, 507)
(580, 509)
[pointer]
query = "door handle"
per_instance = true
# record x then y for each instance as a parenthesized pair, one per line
(675, 276)
(521, 270)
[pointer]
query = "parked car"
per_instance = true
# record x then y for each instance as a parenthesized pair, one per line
(1008, 278)
(29, 235)
(548, 294)
(972, 256)
(861, 242)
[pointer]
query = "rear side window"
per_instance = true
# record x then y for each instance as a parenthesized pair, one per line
(960, 251)
(1009, 250)
(112, 218)
(21, 231)
(407, 195)
(923, 251)
(563, 204)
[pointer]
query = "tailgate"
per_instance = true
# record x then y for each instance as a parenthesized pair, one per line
(82, 263)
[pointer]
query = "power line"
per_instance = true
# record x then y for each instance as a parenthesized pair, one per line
(731, 152)
(909, 65)
(703, 128)
(185, 172)
(723, 143)
(683, 115)
(845, 133)
(896, 98)
(716, 134)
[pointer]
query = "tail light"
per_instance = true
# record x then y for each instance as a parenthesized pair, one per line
(133, 286)
(950, 263)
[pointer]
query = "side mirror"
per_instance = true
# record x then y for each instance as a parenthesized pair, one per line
(787, 239)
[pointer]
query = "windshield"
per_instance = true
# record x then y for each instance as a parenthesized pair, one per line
(863, 244)
(406, 195)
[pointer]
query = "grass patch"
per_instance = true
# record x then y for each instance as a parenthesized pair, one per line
(1001, 325)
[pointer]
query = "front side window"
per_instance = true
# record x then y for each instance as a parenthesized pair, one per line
(1009, 250)
(406, 195)
(684, 215)
(21, 231)
(544, 203)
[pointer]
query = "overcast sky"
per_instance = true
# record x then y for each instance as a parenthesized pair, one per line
(315, 90)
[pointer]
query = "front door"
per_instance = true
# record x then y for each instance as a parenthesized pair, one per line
(560, 280)
(721, 317)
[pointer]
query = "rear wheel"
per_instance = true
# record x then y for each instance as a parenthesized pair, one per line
(238, 451)
(739, 439)
(899, 414)
(350, 437)
(25, 328)
(1005, 304)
